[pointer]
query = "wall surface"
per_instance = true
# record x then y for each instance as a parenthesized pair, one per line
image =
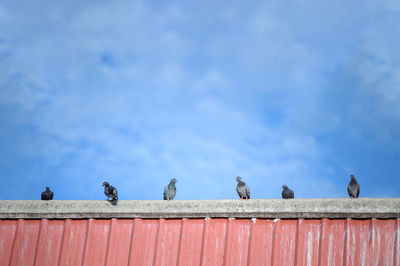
(252, 240)
(209, 241)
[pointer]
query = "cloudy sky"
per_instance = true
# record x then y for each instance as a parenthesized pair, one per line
(302, 93)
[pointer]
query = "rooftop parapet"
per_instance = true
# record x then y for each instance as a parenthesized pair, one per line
(361, 208)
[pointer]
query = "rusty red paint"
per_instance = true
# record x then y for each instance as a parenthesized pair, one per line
(237, 242)
(25, 242)
(119, 242)
(49, 242)
(332, 242)
(7, 235)
(261, 242)
(356, 244)
(200, 242)
(96, 242)
(285, 242)
(308, 242)
(396, 256)
(214, 242)
(381, 242)
(73, 242)
(143, 241)
(191, 241)
(168, 241)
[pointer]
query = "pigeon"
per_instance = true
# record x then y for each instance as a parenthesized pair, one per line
(353, 188)
(287, 193)
(170, 190)
(242, 189)
(111, 192)
(47, 195)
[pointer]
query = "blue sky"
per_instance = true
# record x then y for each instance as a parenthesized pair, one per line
(302, 93)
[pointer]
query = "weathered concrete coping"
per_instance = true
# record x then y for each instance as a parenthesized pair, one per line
(254, 208)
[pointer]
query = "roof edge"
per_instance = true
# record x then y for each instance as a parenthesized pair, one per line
(362, 208)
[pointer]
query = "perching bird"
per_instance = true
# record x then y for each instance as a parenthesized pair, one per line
(110, 192)
(242, 189)
(287, 193)
(353, 188)
(47, 195)
(170, 190)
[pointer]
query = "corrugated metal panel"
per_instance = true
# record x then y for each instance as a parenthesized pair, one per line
(332, 242)
(50, 239)
(119, 244)
(25, 242)
(308, 242)
(73, 242)
(143, 241)
(191, 241)
(200, 242)
(261, 242)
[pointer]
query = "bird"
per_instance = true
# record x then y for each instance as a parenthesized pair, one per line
(242, 189)
(287, 193)
(353, 188)
(48, 194)
(170, 190)
(110, 192)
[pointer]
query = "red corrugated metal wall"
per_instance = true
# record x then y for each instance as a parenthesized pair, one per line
(200, 242)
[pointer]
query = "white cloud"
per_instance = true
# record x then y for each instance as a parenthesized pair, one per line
(182, 98)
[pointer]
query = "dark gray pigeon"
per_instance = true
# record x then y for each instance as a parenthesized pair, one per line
(48, 194)
(287, 193)
(110, 192)
(170, 190)
(242, 189)
(353, 188)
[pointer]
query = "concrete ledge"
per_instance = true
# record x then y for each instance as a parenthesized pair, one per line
(254, 208)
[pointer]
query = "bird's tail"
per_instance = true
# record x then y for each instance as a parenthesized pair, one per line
(114, 201)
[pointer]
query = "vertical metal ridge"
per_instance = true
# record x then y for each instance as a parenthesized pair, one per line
(203, 240)
(226, 239)
(273, 242)
(112, 221)
(370, 242)
(130, 241)
(382, 247)
(252, 221)
(14, 240)
(38, 239)
(62, 242)
(396, 241)
(370, 233)
(89, 223)
(345, 240)
(296, 243)
(180, 242)
(322, 226)
(156, 241)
